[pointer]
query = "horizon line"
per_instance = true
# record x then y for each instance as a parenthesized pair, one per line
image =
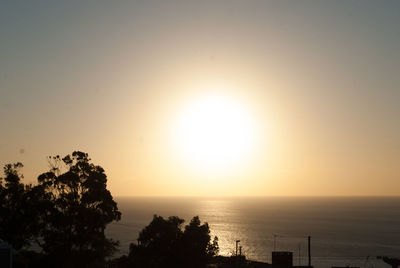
(259, 196)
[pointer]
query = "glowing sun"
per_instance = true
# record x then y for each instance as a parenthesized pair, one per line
(215, 133)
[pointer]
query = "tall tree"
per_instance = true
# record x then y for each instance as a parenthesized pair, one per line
(81, 207)
(18, 214)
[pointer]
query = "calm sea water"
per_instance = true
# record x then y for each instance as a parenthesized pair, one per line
(344, 230)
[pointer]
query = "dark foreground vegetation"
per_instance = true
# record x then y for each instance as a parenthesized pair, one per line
(60, 222)
(163, 243)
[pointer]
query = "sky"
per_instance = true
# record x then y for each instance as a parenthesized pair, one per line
(294, 97)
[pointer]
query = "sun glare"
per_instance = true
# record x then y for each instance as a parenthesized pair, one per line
(215, 134)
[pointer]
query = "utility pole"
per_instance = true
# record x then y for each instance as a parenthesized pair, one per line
(275, 236)
(309, 251)
(237, 243)
(299, 254)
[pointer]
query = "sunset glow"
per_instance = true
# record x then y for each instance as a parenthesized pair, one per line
(215, 133)
(260, 98)
(200, 134)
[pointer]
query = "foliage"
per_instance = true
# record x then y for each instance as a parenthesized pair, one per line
(18, 208)
(80, 208)
(196, 243)
(163, 244)
(158, 243)
(67, 212)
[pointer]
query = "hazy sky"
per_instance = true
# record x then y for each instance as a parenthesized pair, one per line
(319, 80)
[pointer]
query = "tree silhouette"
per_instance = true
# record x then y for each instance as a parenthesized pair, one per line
(158, 243)
(67, 212)
(18, 221)
(163, 244)
(197, 248)
(80, 208)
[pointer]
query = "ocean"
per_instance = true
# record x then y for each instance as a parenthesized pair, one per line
(345, 231)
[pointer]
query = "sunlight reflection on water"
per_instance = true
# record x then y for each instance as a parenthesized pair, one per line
(344, 230)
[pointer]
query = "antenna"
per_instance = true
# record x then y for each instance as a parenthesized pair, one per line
(275, 236)
(366, 261)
